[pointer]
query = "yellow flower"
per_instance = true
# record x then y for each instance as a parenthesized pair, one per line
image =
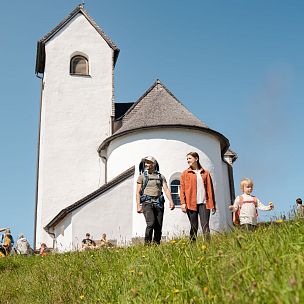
(205, 289)
(173, 241)
(81, 297)
(132, 271)
(140, 273)
(175, 290)
(204, 247)
(143, 256)
(279, 221)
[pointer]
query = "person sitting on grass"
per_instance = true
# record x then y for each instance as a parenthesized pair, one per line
(8, 241)
(245, 206)
(88, 243)
(43, 249)
(23, 246)
(299, 208)
(104, 242)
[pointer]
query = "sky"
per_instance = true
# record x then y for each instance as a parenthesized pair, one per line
(237, 65)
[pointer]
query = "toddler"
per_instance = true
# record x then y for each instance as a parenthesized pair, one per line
(245, 206)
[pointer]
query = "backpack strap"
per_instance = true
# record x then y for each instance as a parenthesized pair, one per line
(254, 200)
(145, 182)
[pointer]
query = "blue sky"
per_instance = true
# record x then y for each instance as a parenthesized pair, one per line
(237, 65)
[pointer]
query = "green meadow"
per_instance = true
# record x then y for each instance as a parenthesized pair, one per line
(266, 266)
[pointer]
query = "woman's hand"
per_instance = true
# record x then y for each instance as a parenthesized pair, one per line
(184, 208)
(172, 206)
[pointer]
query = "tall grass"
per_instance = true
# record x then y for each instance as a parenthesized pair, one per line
(265, 266)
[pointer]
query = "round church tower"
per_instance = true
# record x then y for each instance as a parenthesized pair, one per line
(159, 125)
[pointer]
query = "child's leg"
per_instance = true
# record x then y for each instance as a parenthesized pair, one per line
(248, 227)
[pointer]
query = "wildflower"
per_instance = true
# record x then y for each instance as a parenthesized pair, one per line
(134, 292)
(279, 221)
(220, 253)
(175, 290)
(143, 256)
(132, 271)
(293, 282)
(204, 247)
(141, 273)
(81, 297)
(173, 241)
(205, 289)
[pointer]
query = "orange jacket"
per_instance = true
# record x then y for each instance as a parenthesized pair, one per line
(188, 189)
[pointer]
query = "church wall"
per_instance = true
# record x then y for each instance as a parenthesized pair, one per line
(75, 118)
(109, 213)
(226, 191)
(170, 146)
(63, 235)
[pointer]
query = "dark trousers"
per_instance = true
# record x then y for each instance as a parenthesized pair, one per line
(204, 215)
(154, 219)
(248, 227)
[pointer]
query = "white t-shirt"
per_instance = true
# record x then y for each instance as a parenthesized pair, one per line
(200, 189)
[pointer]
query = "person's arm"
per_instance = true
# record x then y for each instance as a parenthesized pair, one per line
(168, 195)
(263, 207)
(182, 194)
(235, 206)
(138, 190)
(210, 193)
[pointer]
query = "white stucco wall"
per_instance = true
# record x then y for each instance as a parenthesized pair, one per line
(75, 118)
(227, 215)
(109, 213)
(63, 235)
(170, 146)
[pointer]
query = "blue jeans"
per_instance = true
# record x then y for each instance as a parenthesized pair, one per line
(154, 220)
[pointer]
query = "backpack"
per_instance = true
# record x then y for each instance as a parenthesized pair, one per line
(236, 214)
(143, 197)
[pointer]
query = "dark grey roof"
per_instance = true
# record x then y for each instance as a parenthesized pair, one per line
(64, 212)
(40, 57)
(158, 107)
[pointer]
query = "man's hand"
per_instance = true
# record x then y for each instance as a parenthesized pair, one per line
(139, 209)
(213, 211)
(172, 206)
(184, 208)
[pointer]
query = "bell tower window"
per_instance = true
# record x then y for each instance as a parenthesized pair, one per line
(79, 65)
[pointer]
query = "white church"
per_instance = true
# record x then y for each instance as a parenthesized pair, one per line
(90, 146)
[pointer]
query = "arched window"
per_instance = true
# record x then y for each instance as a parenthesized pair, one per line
(79, 65)
(175, 191)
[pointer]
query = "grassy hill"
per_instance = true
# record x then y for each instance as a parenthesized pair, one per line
(266, 266)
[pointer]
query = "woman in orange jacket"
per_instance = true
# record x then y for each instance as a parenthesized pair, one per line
(197, 195)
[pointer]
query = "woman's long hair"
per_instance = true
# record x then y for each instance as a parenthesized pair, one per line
(195, 155)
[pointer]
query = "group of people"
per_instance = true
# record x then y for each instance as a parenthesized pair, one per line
(22, 246)
(7, 247)
(196, 196)
(88, 243)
